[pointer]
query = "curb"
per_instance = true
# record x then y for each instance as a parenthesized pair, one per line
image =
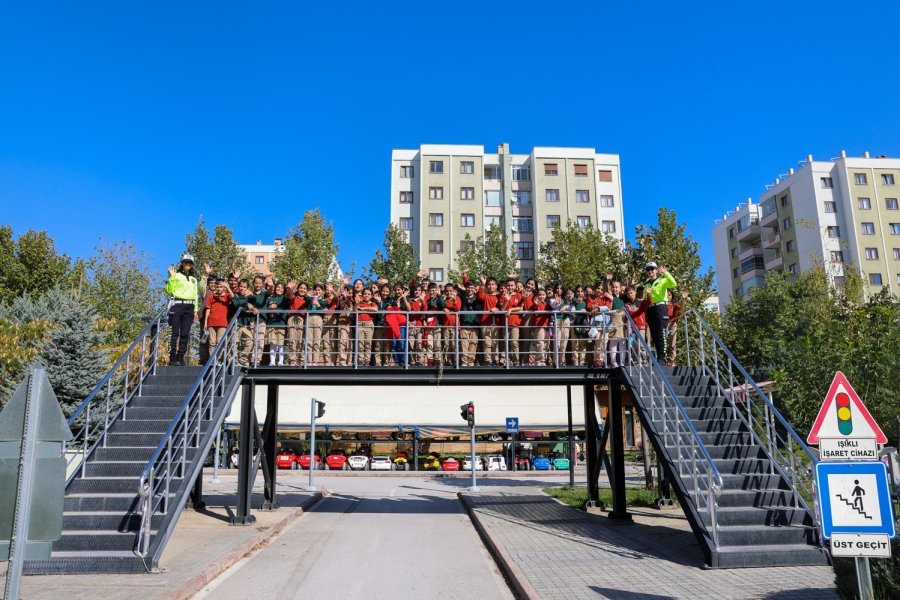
(507, 565)
(197, 582)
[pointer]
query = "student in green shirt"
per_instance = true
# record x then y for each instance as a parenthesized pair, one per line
(276, 324)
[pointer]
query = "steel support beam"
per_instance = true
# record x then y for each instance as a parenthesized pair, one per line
(617, 450)
(593, 449)
(270, 438)
(245, 457)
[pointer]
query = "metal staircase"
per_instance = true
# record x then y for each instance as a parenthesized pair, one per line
(741, 473)
(141, 437)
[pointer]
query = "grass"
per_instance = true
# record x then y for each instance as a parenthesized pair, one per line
(576, 497)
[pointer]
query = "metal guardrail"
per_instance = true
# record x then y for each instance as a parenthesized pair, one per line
(677, 434)
(109, 399)
(791, 457)
(169, 460)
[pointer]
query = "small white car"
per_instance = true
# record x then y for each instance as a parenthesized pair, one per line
(496, 463)
(467, 463)
(382, 463)
(358, 462)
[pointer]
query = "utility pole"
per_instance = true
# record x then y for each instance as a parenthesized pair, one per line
(316, 409)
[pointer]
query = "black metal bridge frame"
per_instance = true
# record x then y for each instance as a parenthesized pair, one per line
(261, 446)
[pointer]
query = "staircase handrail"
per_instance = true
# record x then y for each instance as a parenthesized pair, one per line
(715, 482)
(113, 401)
(789, 471)
(185, 424)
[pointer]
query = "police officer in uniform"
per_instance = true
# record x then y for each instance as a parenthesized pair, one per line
(184, 291)
(659, 282)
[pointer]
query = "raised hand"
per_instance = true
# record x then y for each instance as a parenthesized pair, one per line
(483, 280)
(206, 268)
(609, 276)
(346, 279)
(512, 275)
(237, 273)
(171, 270)
(422, 273)
(663, 270)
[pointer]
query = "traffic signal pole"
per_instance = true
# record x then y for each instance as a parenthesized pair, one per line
(474, 486)
(316, 408)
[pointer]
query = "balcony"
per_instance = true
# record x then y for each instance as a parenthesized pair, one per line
(772, 241)
(774, 262)
(749, 233)
(768, 219)
(750, 252)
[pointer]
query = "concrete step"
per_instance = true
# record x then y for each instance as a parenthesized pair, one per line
(785, 555)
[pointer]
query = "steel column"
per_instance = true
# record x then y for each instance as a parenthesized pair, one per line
(270, 437)
(245, 458)
(591, 429)
(617, 449)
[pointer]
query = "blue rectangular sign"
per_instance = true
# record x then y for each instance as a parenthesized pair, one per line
(512, 424)
(854, 497)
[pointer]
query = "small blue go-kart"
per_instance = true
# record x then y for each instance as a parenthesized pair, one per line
(540, 463)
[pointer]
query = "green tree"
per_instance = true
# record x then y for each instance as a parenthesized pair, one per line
(309, 251)
(580, 255)
(667, 243)
(123, 288)
(19, 346)
(29, 264)
(398, 262)
(220, 251)
(492, 255)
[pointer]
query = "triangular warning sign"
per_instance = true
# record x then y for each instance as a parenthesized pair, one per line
(843, 415)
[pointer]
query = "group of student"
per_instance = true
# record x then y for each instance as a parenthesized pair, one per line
(483, 322)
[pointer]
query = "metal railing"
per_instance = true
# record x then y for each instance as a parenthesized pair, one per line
(409, 339)
(170, 459)
(675, 429)
(109, 399)
(791, 457)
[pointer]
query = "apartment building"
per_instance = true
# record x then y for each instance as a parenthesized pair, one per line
(260, 256)
(829, 213)
(447, 196)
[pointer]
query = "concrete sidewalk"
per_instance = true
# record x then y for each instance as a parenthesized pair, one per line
(551, 551)
(202, 547)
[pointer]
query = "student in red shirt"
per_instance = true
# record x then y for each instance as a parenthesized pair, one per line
(417, 305)
(491, 333)
(540, 321)
(215, 317)
(296, 296)
(512, 304)
(675, 311)
(452, 305)
(366, 308)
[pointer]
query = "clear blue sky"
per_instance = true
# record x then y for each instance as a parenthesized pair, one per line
(124, 121)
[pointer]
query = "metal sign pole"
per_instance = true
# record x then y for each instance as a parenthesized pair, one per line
(571, 454)
(216, 455)
(474, 487)
(864, 579)
(312, 445)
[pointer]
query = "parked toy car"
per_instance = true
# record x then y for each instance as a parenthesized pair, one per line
(495, 462)
(559, 461)
(467, 463)
(401, 462)
(358, 462)
(381, 463)
(540, 463)
(337, 461)
(303, 460)
(286, 459)
(432, 462)
(450, 464)
(523, 462)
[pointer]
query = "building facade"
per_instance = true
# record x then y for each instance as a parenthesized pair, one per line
(446, 196)
(260, 256)
(828, 213)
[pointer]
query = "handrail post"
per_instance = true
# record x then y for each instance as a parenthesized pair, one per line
(168, 476)
(140, 387)
(456, 344)
(106, 411)
(125, 392)
(555, 340)
(256, 342)
(87, 435)
(506, 360)
(687, 339)
(355, 351)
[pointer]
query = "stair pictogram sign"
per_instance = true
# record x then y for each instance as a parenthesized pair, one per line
(843, 415)
(854, 498)
(857, 502)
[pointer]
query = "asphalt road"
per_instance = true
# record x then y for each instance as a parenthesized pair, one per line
(373, 537)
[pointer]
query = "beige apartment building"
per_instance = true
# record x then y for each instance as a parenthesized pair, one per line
(446, 196)
(831, 213)
(260, 256)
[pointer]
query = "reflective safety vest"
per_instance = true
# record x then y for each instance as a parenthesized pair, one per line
(183, 287)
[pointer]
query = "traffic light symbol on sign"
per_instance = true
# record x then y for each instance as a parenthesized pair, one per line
(844, 414)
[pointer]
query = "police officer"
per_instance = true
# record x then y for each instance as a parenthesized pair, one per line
(656, 288)
(184, 291)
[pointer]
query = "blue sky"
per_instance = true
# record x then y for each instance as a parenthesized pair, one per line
(127, 122)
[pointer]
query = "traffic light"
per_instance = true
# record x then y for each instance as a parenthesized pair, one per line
(844, 414)
(467, 412)
(320, 409)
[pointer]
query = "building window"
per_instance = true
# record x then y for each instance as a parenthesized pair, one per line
(551, 169)
(524, 250)
(406, 197)
(467, 220)
(523, 225)
(260, 260)
(887, 179)
(731, 233)
(864, 204)
(436, 193)
(860, 179)
(467, 193)
(583, 222)
(793, 269)
(436, 219)
(467, 245)
(521, 198)
(890, 203)
(552, 221)
(581, 170)
(833, 231)
(406, 223)
(608, 226)
(492, 172)
(582, 195)
(406, 172)
(493, 221)
(435, 246)
(552, 195)
(466, 167)
(734, 252)
(521, 173)
(735, 273)
(830, 207)
(837, 256)
(604, 175)
(436, 275)
(827, 183)
(896, 253)
(894, 228)
(871, 253)
(789, 246)
(785, 200)
(607, 201)
(874, 278)
(786, 224)
(492, 198)
(869, 229)
(436, 166)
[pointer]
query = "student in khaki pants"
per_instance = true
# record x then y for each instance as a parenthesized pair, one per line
(469, 325)
(316, 305)
(296, 294)
(366, 328)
